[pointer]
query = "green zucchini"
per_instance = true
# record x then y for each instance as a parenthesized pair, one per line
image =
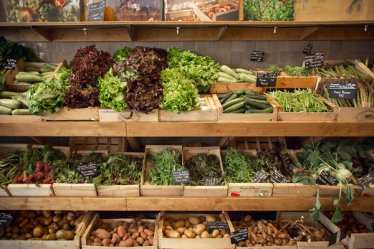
(241, 70)
(21, 112)
(229, 71)
(247, 78)
(227, 80)
(225, 75)
(222, 98)
(21, 99)
(7, 94)
(232, 102)
(241, 110)
(5, 111)
(10, 103)
(233, 96)
(28, 73)
(258, 104)
(28, 78)
(266, 110)
(257, 97)
(235, 107)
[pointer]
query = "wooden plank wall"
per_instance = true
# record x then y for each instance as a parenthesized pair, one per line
(234, 53)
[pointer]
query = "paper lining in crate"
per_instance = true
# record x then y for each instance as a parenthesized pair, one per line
(121, 190)
(108, 115)
(361, 240)
(249, 189)
(77, 189)
(209, 191)
(50, 244)
(207, 111)
(193, 243)
(247, 116)
(322, 221)
(147, 189)
(96, 219)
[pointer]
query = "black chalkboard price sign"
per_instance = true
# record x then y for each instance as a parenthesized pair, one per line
(266, 79)
(343, 90)
(5, 219)
(314, 61)
(220, 225)
(88, 169)
(239, 235)
(181, 176)
(96, 10)
(257, 56)
(9, 64)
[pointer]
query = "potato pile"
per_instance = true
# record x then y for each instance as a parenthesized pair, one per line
(192, 227)
(123, 233)
(42, 225)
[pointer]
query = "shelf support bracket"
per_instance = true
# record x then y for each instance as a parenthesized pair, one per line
(130, 30)
(308, 32)
(221, 31)
(47, 34)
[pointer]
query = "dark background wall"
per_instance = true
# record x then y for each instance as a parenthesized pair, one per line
(233, 53)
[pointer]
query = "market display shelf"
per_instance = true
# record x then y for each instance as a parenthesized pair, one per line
(188, 31)
(364, 204)
(17, 128)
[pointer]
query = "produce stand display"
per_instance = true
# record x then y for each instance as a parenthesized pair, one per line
(142, 146)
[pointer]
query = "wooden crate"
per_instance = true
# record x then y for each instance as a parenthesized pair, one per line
(207, 111)
(333, 191)
(147, 189)
(182, 243)
(333, 10)
(220, 87)
(210, 191)
(247, 116)
(74, 190)
(7, 149)
(34, 190)
(330, 116)
(107, 115)
(71, 114)
(285, 81)
(361, 240)
(359, 114)
(368, 190)
(294, 189)
(51, 244)
(121, 190)
(106, 144)
(4, 191)
(323, 221)
(96, 218)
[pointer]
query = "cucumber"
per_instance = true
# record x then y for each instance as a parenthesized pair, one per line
(257, 97)
(229, 71)
(235, 107)
(232, 102)
(241, 70)
(6, 94)
(225, 75)
(28, 73)
(21, 99)
(222, 98)
(227, 80)
(247, 78)
(257, 104)
(5, 111)
(21, 112)
(10, 103)
(30, 78)
(266, 110)
(241, 110)
(233, 96)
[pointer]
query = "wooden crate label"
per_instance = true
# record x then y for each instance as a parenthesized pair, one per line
(88, 169)
(239, 235)
(314, 61)
(266, 79)
(220, 225)
(5, 219)
(181, 176)
(257, 56)
(343, 90)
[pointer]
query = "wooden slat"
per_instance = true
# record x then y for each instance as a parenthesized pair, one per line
(364, 204)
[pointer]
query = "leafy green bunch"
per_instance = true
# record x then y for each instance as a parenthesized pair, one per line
(112, 92)
(201, 70)
(180, 94)
(164, 164)
(238, 167)
(122, 54)
(204, 167)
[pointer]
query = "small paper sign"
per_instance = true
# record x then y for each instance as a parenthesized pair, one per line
(260, 176)
(212, 181)
(96, 10)
(220, 225)
(181, 176)
(266, 79)
(343, 90)
(239, 235)
(5, 219)
(10, 64)
(277, 177)
(313, 61)
(308, 49)
(88, 169)
(257, 56)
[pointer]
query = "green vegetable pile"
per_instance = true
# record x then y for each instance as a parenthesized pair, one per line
(164, 164)
(269, 10)
(9, 169)
(180, 94)
(299, 101)
(119, 170)
(239, 168)
(296, 71)
(112, 92)
(202, 70)
(204, 170)
(121, 54)
(244, 102)
(228, 75)
(48, 96)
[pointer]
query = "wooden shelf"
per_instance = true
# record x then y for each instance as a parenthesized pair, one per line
(364, 204)
(16, 128)
(188, 31)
